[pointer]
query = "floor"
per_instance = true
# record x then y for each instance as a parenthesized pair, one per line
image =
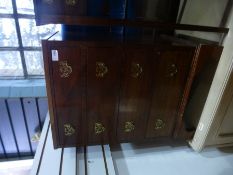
(19, 167)
(167, 160)
(132, 159)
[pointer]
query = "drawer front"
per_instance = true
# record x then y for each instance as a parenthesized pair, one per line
(103, 65)
(50, 7)
(75, 7)
(61, 7)
(170, 70)
(134, 93)
(68, 86)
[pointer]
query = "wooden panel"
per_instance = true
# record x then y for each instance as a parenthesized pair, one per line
(20, 127)
(69, 161)
(43, 108)
(40, 149)
(95, 160)
(50, 155)
(6, 131)
(135, 92)
(67, 76)
(102, 92)
(81, 161)
(171, 68)
(32, 119)
(2, 151)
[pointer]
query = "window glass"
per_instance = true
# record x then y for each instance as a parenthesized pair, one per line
(31, 34)
(6, 6)
(10, 63)
(34, 62)
(25, 6)
(8, 36)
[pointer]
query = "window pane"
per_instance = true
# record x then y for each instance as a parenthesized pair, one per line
(8, 36)
(31, 34)
(25, 6)
(34, 62)
(6, 6)
(10, 63)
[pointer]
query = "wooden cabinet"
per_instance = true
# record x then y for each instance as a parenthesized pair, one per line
(116, 92)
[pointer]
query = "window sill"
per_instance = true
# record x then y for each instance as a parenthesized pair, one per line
(22, 88)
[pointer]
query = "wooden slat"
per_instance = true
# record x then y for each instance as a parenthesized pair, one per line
(32, 119)
(6, 131)
(80, 166)
(51, 159)
(69, 161)
(39, 150)
(109, 161)
(95, 161)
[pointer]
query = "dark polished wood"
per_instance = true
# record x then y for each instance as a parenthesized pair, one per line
(135, 92)
(89, 21)
(171, 67)
(120, 92)
(102, 92)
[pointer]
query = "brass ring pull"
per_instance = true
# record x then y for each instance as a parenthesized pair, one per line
(101, 69)
(48, 1)
(68, 129)
(136, 70)
(36, 137)
(71, 2)
(129, 127)
(64, 69)
(173, 70)
(159, 124)
(99, 128)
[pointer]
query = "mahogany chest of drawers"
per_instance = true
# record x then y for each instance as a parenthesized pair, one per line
(111, 92)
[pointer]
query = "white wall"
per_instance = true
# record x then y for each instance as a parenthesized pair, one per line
(203, 12)
(206, 127)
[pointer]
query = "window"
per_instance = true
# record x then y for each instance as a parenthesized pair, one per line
(20, 46)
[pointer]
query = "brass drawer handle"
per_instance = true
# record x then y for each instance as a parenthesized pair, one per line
(64, 69)
(136, 70)
(71, 2)
(173, 70)
(68, 129)
(159, 124)
(48, 1)
(99, 128)
(101, 69)
(36, 137)
(129, 127)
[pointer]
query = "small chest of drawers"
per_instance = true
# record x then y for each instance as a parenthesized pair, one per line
(111, 92)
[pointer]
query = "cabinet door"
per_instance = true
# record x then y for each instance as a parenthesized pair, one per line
(66, 81)
(171, 66)
(103, 65)
(134, 94)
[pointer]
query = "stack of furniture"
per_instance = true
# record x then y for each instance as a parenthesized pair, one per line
(112, 80)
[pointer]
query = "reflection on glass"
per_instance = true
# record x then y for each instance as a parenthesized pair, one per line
(31, 34)
(6, 6)
(34, 62)
(10, 63)
(8, 36)
(25, 6)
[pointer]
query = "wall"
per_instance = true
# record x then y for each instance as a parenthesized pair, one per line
(203, 12)
(209, 117)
